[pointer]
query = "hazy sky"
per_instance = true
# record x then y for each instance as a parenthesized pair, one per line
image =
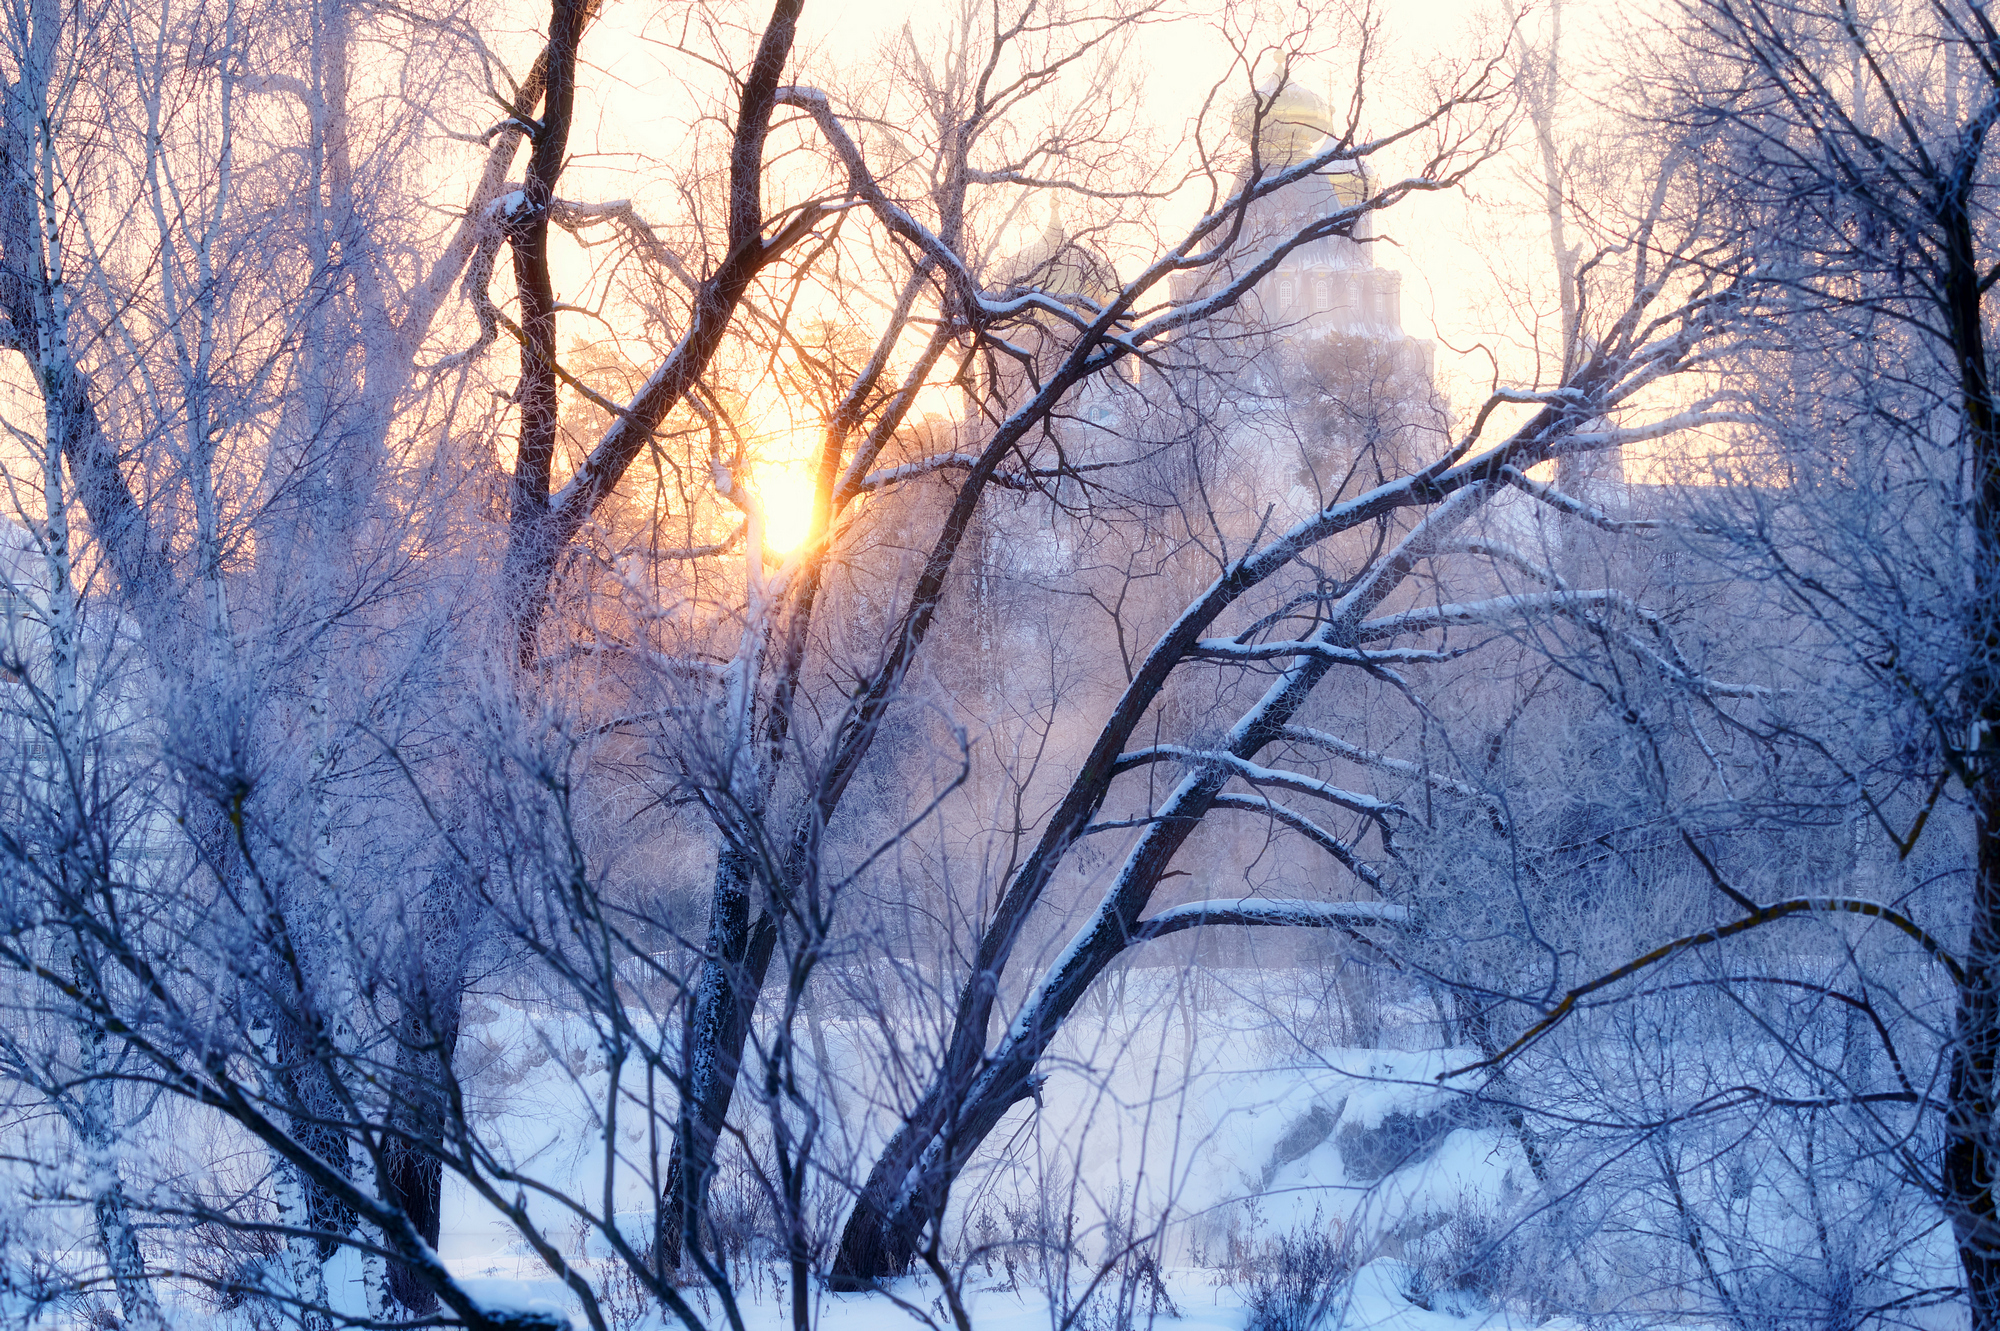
(1476, 270)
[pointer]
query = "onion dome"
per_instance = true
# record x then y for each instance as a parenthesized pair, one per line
(1295, 121)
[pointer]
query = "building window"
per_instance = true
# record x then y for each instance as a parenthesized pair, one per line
(1322, 295)
(1284, 292)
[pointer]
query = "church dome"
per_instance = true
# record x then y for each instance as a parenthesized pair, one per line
(1295, 121)
(1058, 262)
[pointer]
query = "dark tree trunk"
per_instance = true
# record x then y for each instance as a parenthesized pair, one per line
(1970, 1145)
(1969, 1148)
(306, 1084)
(414, 1177)
(732, 975)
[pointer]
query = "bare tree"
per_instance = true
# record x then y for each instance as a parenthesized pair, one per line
(397, 684)
(1853, 514)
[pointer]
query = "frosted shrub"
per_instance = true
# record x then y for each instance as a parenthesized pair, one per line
(623, 1296)
(1469, 1254)
(1293, 1285)
(1126, 1291)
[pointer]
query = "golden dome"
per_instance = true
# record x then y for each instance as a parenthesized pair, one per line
(1295, 121)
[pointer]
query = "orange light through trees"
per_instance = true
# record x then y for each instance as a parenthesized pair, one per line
(785, 490)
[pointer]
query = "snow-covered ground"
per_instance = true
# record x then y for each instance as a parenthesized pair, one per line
(1375, 1300)
(1203, 1122)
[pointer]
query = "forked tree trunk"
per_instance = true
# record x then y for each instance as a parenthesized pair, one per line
(910, 1184)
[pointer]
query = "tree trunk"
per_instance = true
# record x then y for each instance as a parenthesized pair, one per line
(120, 1240)
(912, 1178)
(1969, 1148)
(413, 1178)
(911, 1181)
(316, 1216)
(1970, 1145)
(738, 957)
(94, 1119)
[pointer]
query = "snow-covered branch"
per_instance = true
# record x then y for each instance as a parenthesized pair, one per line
(1584, 606)
(910, 471)
(1258, 775)
(1270, 911)
(1223, 649)
(1354, 753)
(1307, 828)
(1574, 507)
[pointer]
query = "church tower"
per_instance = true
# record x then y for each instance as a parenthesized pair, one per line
(1331, 288)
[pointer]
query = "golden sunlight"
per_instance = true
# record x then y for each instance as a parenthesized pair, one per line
(785, 489)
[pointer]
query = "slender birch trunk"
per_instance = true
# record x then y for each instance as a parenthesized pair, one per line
(94, 1115)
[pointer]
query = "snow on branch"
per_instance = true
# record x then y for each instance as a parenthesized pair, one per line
(1574, 507)
(1618, 436)
(815, 103)
(1222, 649)
(1307, 828)
(1333, 744)
(1270, 911)
(574, 217)
(910, 471)
(1220, 228)
(1036, 299)
(1497, 610)
(1582, 606)
(1258, 775)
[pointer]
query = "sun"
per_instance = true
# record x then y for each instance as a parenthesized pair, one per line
(785, 489)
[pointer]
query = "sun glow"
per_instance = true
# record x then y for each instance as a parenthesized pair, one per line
(785, 492)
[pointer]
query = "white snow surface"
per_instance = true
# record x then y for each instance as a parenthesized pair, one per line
(1145, 1120)
(1206, 1109)
(1375, 1300)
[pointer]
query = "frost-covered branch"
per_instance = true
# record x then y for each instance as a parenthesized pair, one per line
(1580, 606)
(1313, 832)
(1573, 507)
(1270, 911)
(910, 471)
(1224, 649)
(1259, 775)
(1333, 744)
